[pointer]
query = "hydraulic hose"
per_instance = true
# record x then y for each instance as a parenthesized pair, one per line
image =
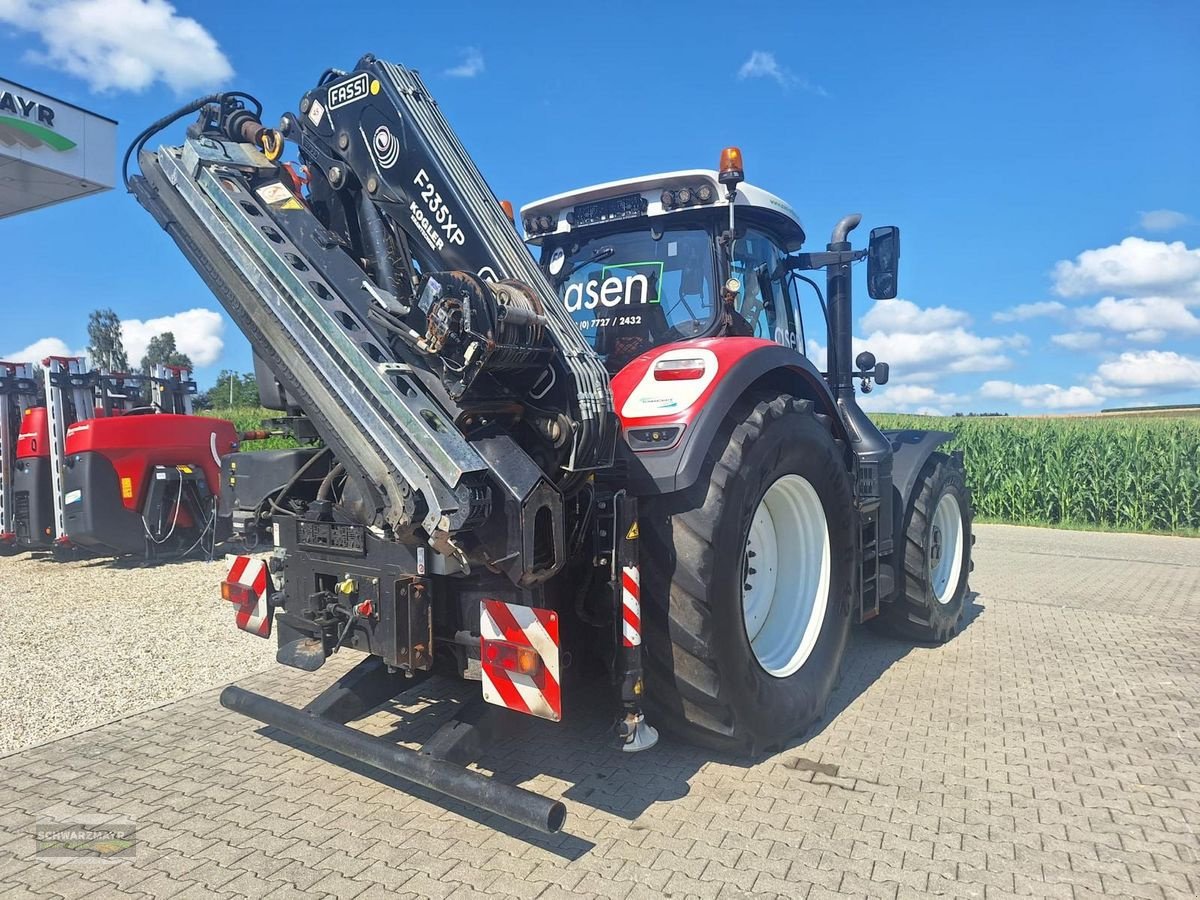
(373, 233)
(326, 487)
(159, 124)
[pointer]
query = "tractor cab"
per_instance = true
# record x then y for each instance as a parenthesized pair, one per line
(652, 260)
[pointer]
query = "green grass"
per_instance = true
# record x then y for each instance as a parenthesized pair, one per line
(1136, 473)
(249, 418)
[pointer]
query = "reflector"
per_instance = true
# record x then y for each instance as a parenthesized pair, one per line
(237, 593)
(512, 657)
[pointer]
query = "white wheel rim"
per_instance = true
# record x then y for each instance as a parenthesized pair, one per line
(785, 570)
(946, 549)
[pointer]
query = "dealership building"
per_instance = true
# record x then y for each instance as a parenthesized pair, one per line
(51, 151)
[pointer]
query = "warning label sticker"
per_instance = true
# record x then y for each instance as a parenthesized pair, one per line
(275, 192)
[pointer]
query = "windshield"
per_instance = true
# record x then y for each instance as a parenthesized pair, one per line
(630, 291)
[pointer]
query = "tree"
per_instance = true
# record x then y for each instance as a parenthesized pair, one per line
(105, 348)
(241, 386)
(161, 352)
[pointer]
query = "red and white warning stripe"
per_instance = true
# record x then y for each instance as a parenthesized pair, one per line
(253, 614)
(508, 632)
(631, 607)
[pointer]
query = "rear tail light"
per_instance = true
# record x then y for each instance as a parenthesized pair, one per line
(237, 593)
(678, 369)
(513, 657)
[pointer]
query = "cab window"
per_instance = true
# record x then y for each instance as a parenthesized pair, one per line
(762, 301)
(632, 290)
(810, 329)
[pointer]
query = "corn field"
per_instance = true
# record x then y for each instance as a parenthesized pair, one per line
(1136, 473)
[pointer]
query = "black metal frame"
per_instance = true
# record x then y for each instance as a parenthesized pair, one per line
(513, 803)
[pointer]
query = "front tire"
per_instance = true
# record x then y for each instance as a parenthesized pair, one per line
(747, 581)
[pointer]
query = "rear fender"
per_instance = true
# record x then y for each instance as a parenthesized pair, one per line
(911, 449)
(687, 415)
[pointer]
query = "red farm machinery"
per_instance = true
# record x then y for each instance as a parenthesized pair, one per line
(107, 464)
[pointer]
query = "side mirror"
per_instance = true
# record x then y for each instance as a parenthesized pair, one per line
(883, 262)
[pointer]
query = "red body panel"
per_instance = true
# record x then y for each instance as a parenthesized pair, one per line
(33, 438)
(728, 350)
(133, 444)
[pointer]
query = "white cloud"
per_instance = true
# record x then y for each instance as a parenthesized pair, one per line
(1134, 266)
(817, 354)
(904, 315)
(921, 357)
(1077, 340)
(1145, 319)
(1162, 219)
(471, 65)
(911, 394)
(922, 343)
(197, 333)
(915, 398)
(41, 348)
(1142, 370)
(763, 64)
(123, 45)
(1041, 396)
(1024, 311)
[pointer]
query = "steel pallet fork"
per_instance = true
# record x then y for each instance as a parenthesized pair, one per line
(18, 392)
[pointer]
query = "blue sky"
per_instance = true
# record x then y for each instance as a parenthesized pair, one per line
(1040, 158)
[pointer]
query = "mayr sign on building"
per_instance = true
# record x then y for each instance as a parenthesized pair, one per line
(50, 150)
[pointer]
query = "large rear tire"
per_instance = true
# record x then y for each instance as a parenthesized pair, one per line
(746, 582)
(937, 555)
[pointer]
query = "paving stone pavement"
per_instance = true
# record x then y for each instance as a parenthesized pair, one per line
(1052, 749)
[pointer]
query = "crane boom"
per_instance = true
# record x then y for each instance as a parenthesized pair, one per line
(395, 305)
